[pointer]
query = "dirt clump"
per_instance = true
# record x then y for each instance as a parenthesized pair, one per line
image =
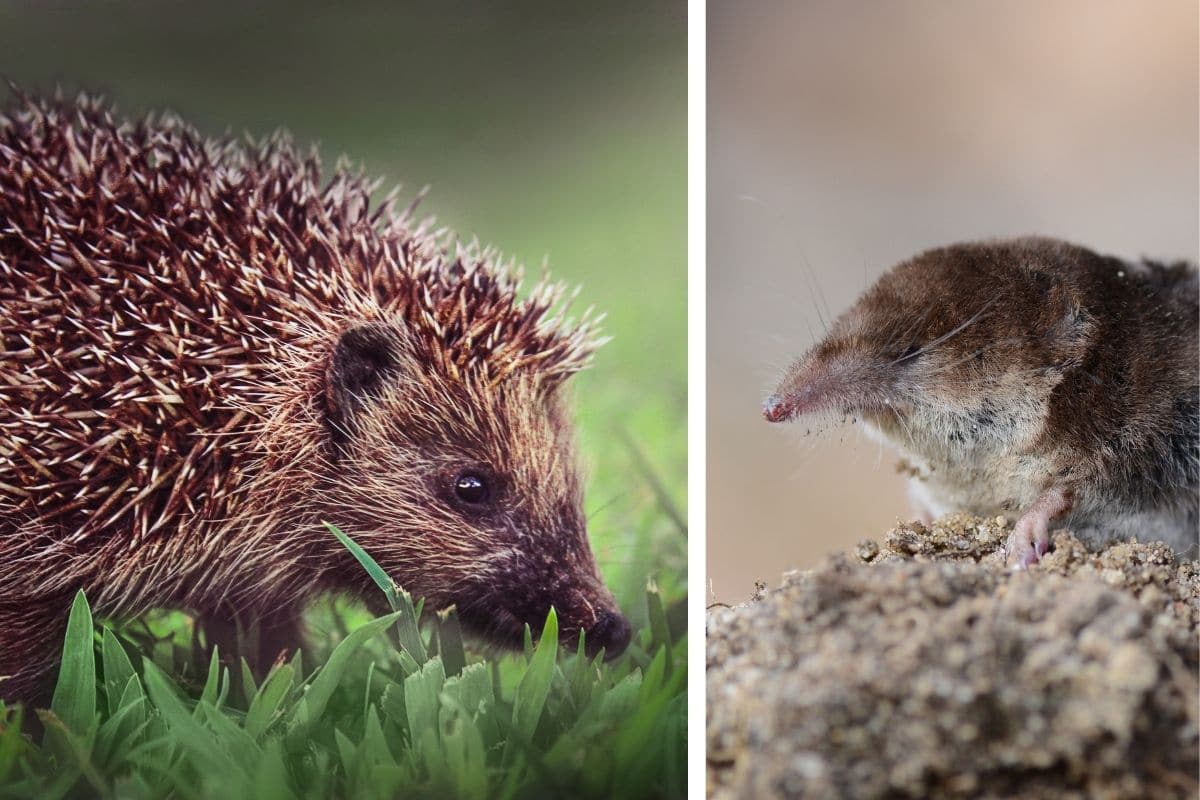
(920, 666)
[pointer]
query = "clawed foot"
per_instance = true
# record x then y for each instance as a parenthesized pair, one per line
(1026, 544)
(1030, 539)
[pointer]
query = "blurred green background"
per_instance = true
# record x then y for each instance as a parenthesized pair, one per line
(552, 131)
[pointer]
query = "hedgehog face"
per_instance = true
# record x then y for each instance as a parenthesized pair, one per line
(465, 490)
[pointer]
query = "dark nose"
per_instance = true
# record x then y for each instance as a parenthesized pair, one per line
(611, 632)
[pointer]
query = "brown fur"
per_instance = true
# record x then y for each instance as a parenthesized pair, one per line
(206, 353)
(1010, 368)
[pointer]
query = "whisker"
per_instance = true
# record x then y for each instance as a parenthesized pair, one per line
(970, 356)
(944, 337)
(907, 332)
(903, 422)
(816, 294)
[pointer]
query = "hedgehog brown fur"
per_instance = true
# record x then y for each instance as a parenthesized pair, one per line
(207, 352)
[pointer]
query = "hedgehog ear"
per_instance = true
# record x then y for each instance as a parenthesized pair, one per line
(362, 359)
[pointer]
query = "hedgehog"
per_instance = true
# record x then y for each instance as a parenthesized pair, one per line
(210, 351)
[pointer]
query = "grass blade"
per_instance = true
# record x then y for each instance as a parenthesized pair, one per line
(450, 641)
(249, 687)
(267, 702)
(11, 741)
(74, 701)
(197, 742)
(657, 485)
(74, 752)
(212, 685)
(381, 578)
(408, 627)
(471, 690)
(312, 706)
(118, 669)
(421, 701)
(659, 630)
(530, 697)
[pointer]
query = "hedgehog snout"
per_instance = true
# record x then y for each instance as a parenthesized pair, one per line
(612, 632)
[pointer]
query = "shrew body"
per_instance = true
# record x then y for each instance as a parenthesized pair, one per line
(1026, 376)
(207, 353)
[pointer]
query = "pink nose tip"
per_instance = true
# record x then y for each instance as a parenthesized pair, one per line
(775, 409)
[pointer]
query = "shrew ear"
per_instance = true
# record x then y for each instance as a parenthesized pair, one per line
(1067, 325)
(362, 360)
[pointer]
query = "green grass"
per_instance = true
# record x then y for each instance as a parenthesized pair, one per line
(396, 707)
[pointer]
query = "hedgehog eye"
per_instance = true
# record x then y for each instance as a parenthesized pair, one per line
(470, 487)
(912, 351)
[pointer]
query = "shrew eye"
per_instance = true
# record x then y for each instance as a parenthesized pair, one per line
(470, 487)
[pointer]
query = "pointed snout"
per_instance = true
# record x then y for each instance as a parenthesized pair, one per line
(809, 385)
(776, 409)
(818, 382)
(610, 631)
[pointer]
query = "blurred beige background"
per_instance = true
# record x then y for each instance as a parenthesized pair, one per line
(846, 136)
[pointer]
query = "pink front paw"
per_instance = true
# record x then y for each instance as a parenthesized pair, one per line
(1026, 544)
(1030, 540)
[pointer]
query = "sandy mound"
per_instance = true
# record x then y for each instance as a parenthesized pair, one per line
(922, 668)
